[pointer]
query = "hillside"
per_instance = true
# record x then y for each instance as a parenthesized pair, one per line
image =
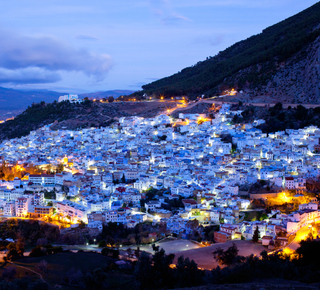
(66, 115)
(281, 63)
(14, 102)
(105, 94)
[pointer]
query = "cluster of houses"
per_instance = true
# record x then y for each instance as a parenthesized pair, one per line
(107, 171)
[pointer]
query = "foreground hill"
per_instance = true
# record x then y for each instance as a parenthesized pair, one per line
(281, 63)
(65, 115)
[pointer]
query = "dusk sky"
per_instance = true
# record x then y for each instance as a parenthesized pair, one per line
(85, 46)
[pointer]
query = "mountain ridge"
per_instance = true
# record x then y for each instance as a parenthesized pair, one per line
(255, 63)
(14, 102)
(105, 94)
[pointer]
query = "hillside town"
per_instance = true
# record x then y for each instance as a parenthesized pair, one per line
(196, 167)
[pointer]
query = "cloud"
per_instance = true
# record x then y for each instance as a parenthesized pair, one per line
(87, 37)
(163, 9)
(137, 85)
(232, 3)
(21, 52)
(32, 75)
(212, 40)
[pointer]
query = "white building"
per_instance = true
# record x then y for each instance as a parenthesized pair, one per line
(73, 210)
(70, 98)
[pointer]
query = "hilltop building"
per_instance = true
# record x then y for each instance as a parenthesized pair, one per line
(70, 98)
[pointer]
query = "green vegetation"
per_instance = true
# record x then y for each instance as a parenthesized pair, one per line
(38, 115)
(279, 119)
(43, 250)
(88, 270)
(154, 272)
(256, 235)
(303, 266)
(114, 234)
(82, 270)
(29, 230)
(252, 61)
(227, 257)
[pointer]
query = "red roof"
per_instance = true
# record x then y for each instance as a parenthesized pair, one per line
(189, 201)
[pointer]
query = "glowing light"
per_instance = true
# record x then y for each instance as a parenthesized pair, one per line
(201, 120)
(287, 251)
(283, 197)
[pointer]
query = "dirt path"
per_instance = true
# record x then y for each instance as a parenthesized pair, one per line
(189, 106)
(26, 268)
(214, 101)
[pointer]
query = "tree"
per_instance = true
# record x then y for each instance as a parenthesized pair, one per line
(278, 106)
(143, 271)
(102, 244)
(20, 244)
(163, 138)
(155, 248)
(37, 252)
(227, 257)
(123, 179)
(256, 235)
(129, 252)
(60, 168)
(137, 252)
(110, 99)
(188, 273)
(163, 277)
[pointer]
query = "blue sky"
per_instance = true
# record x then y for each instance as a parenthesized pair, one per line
(85, 46)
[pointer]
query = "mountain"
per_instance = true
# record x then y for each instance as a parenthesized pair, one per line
(281, 63)
(11, 99)
(106, 94)
(13, 102)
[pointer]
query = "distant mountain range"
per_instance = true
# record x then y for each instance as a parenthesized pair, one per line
(281, 64)
(106, 94)
(13, 102)
(11, 99)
